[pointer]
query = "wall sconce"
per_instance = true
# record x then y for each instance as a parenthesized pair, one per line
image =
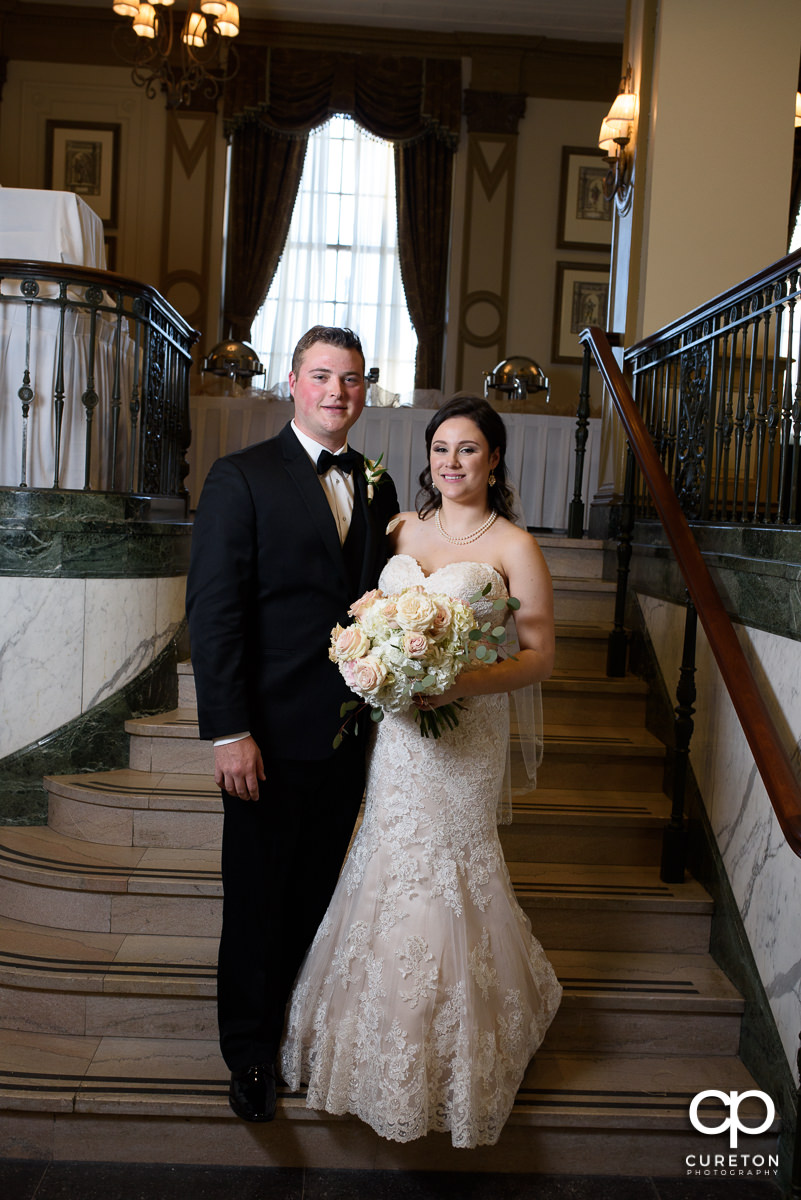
(614, 138)
(797, 109)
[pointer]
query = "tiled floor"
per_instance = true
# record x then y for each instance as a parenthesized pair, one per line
(97, 1181)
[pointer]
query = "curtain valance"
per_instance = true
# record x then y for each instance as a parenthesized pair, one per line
(290, 92)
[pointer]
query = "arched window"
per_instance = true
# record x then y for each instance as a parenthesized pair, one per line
(340, 263)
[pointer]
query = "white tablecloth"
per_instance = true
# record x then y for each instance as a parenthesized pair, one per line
(540, 449)
(50, 226)
(46, 226)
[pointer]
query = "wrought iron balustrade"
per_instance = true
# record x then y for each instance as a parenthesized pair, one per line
(95, 377)
(719, 393)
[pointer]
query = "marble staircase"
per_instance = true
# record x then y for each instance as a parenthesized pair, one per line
(109, 917)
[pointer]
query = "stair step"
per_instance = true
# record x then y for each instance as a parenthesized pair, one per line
(586, 699)
(137, 808)
(49, 879)
(581, 646)
(551, 825)
(169, 743)
(63, 883)
(577, 558)
(589, 907)
(113, 985)
(588, 1103)
(577, 757)
(587, 600)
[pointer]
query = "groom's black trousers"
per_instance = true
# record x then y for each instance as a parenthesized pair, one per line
(281, 857)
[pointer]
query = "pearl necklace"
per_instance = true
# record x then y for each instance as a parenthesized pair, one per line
(468, 537)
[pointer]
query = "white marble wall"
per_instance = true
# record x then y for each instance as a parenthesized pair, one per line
(764, 873)
(68, 644)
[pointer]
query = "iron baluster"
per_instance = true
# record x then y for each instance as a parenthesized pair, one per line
(116, 393)
(748, 416)
(58, 402)
(575, 516)
(785, 429)
(674, 838)
(30, 289)
(134, 403)
(761, 500)
(739, 421)
(618, 641)
(90, 398)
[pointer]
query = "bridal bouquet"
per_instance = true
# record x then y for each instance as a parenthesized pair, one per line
(412, 643)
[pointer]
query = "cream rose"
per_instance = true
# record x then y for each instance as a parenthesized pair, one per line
(366, 675)
(442, 619)
(415, 611)
(351, 643)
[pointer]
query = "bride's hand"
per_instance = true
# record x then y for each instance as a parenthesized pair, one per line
(455, 692)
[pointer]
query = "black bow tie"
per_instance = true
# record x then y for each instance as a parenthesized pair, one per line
(343, 462)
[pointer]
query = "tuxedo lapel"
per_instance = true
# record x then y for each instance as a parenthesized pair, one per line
(302, 473)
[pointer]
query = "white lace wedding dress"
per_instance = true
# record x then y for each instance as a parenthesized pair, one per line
(424, 994)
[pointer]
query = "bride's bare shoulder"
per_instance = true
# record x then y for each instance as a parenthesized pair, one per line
(404, 532)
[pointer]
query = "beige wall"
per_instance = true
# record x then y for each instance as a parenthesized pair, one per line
(717, 85)
(169, 226)
(171, 185)
(721, 146)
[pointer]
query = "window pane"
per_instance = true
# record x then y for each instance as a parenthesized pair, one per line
(340, 263)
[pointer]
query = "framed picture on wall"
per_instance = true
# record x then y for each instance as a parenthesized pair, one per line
(582, 293)
(84, 157)
(585, 215)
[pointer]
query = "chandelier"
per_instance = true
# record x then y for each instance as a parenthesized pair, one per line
(203, 58)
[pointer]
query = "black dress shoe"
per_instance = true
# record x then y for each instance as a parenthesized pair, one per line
(252, 1092)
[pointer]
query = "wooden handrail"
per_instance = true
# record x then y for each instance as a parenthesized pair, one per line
(770, 756)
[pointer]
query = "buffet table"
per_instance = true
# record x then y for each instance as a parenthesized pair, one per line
(540, 450)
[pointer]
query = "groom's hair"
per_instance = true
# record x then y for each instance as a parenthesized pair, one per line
(330, 335)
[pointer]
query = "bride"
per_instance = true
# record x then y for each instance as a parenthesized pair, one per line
(424, 993)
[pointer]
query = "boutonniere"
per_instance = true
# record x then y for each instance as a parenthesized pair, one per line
(373, 473)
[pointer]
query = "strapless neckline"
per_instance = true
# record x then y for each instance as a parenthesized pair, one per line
(468, 562)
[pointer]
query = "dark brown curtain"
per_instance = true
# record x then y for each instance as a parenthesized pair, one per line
(275, 100)
(265, 174)
(423, 174)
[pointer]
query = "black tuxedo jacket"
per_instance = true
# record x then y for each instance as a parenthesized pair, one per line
(267, 583)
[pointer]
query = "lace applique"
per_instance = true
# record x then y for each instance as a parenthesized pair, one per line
(418, 966)
(424, 994)
(483, 972)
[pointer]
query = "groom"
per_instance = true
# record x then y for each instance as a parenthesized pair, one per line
(285, 538)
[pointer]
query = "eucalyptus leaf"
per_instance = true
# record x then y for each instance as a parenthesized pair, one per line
(485, 628)
(481, 652)
(499, 604)
(337, 741)
(492, 656)
(499, 632)
(513, 603)
(376, 714)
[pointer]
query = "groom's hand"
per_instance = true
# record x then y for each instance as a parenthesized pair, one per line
(238, 767)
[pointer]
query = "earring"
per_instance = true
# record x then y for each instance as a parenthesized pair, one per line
(491, 481)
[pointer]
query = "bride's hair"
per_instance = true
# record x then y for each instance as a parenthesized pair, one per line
(500, 497)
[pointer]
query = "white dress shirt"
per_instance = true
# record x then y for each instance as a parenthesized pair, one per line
(338, 488)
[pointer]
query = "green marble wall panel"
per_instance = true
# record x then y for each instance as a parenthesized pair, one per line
(757, 572)
(88, 536)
